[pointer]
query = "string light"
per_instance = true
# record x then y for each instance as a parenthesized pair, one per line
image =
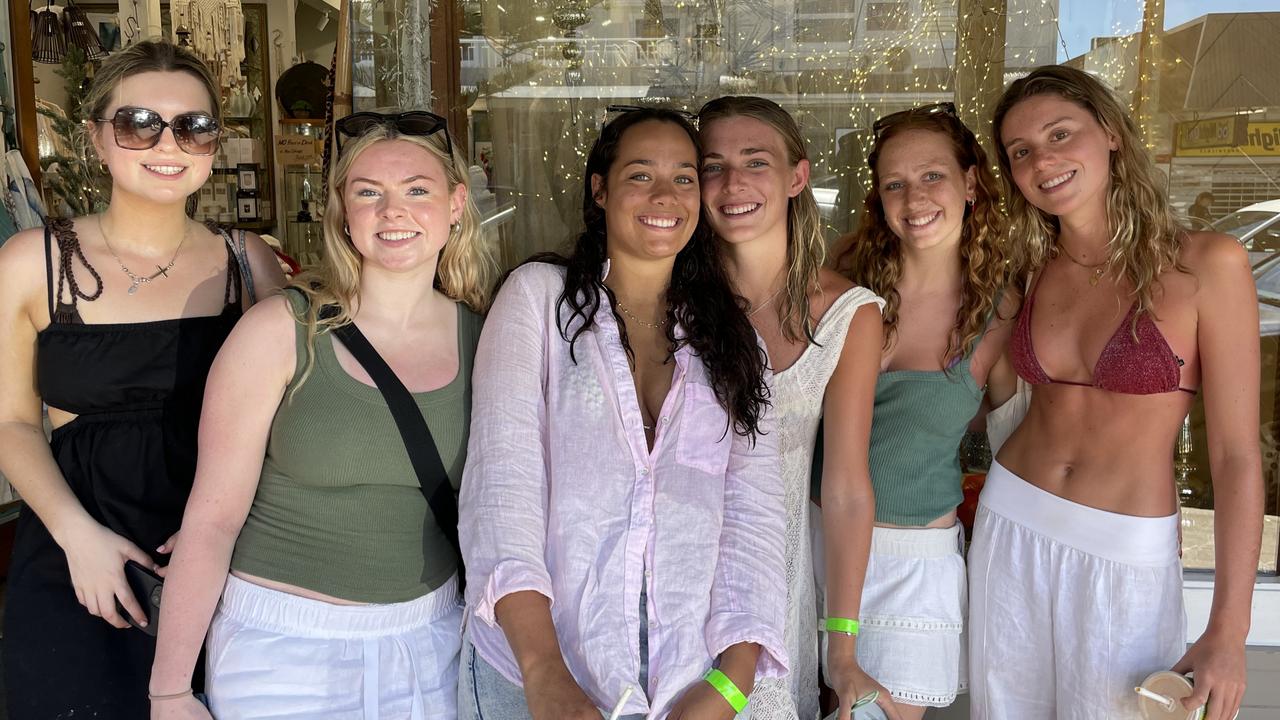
(836, 65)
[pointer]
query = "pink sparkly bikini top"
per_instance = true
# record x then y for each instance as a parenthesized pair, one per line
(1145, 367)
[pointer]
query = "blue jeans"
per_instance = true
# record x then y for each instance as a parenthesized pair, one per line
(484, 694)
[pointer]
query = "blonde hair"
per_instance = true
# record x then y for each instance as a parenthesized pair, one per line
(1145, 235)
(806, 245)
(466, 261)
(872, 255)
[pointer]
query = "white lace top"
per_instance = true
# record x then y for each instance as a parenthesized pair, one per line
(798, 392)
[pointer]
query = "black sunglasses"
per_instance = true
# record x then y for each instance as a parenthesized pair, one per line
(691, 117)
(413, 122)
(947, 108)
(137, 128)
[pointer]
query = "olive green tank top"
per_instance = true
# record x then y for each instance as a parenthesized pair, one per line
(339, 509)
(918, 420)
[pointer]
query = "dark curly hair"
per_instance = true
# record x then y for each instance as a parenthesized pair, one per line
(699, 297)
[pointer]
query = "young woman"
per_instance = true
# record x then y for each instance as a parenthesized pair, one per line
(931, 243)
(1076, 587)
(342, 596)
(823, 335)
(112, 320)
(621, 514)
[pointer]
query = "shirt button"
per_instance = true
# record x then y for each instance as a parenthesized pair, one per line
(665, 419)
(644, 471)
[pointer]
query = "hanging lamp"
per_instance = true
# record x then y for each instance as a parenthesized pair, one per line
(81, 33)
(48, 44)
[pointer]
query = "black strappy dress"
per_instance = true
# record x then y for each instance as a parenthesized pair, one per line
(130, 458)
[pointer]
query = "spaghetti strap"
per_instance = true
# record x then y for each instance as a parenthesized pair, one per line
(48, 267)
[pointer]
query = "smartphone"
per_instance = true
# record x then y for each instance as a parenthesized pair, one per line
(147, 588)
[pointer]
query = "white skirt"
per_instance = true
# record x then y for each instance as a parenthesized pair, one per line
(1070, 606)
(911, 625)
(272, 654)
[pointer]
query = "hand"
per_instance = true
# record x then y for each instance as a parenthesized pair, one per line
(851, 683)
(166, 549)
(183, 708)
(95, 559)
(1219, 667)
(554, 695)
(702, 702)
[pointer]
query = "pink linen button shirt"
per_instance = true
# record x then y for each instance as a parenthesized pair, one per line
(562, 496)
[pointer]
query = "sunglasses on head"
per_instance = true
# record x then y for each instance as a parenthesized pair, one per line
(946, 108)
(413, 122)
(136, 128)
(691, 117)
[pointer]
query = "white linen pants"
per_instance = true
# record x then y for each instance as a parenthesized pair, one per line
(276, 655)
(1070, 606)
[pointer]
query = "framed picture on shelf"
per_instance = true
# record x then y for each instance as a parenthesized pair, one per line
(247, 208)
(247, 176)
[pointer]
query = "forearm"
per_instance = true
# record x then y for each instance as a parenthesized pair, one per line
(847, 521)
(28, 464)
(1238, 501)
(739, 663)
(525, 619)
(192, 588)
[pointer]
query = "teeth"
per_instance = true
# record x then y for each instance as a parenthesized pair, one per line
(739, 209)
(659, 222)
(922, 220)
(399, 235)
(1055, 182)
(165, 169)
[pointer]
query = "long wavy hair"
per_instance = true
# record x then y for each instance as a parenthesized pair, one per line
(872, 255)
(806, 245)
(1146, 237)
(699, 297)
(466, 263)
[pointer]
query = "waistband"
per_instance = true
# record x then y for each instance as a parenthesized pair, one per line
(275, 611)
(918, 542)
(1127, 539)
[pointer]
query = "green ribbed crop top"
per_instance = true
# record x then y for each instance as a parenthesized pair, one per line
(338, 508)
(917, 423)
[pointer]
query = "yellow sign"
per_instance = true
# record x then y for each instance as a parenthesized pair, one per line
(297, 150)
(1261, 139)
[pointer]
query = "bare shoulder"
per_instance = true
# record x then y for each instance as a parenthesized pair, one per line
(1208, 254)
(832, 283)
(22, 267)
(271, 322)
(1010, 302)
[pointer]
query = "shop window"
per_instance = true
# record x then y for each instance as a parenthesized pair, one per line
(541, 96)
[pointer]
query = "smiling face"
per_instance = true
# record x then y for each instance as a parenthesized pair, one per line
(163, 174)
(399, 206)
(747, 179)
(650, 197)
(923, 190)
(1059, 154)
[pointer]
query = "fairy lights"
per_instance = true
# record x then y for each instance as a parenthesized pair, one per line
(837, 65)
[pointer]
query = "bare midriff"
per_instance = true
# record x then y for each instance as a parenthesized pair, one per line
(946, 521)
(1101, 449)
(292, 589)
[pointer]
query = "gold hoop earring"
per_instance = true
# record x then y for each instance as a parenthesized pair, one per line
(346, 230)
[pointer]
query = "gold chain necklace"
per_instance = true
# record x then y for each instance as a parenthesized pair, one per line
(135, 279)
(1098, 269)
(767, 302)
(645, 323)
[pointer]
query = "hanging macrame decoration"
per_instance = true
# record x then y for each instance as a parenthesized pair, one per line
(216, 30)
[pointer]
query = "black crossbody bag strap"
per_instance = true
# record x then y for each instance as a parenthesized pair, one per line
(423, 454)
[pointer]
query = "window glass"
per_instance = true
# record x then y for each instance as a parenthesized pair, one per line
(1200, 79)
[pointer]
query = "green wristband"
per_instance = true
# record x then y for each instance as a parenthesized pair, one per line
(842, 625)
(725, 687)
